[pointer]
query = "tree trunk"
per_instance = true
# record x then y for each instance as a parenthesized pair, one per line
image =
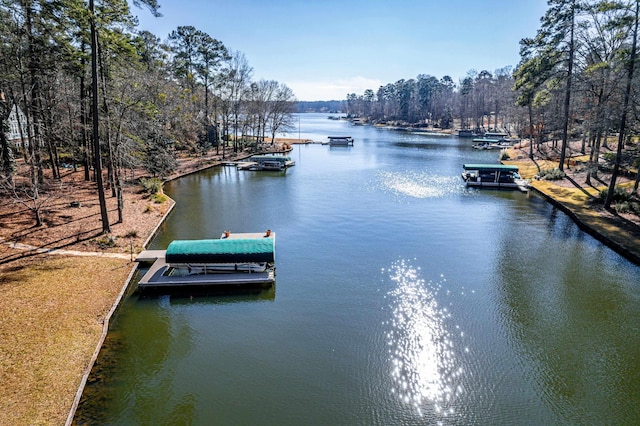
(37, 216)
(33, 128)
(55, 170)
(120, 195)
(111, 178)
(94, 106)
(567, 94)
(625, 105)
(86, 151)
(530, 131)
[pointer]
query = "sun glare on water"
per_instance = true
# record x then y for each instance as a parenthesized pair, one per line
(417, 185)
(424, 369)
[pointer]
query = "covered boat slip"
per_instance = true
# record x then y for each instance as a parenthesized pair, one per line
(266, 162)
(340, 141)
(496, 176)
(223, 250)
(237, 259)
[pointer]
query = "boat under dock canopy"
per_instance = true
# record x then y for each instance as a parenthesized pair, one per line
(224, 250)
(340, 141)
(493, 176)
(266, 162)
(245, 259)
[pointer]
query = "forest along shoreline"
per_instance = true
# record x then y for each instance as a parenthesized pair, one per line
(55, 307)
(58, 285)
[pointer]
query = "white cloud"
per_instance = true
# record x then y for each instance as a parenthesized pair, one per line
(334, 90)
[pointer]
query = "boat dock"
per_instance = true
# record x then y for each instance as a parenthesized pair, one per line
(340, 141)
(235, 259)
(493, 176)
(266, 162)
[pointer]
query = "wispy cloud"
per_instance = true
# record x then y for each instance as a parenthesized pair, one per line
(332, 90)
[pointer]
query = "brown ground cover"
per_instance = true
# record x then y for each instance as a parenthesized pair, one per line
(80, 228)
(53, 307)
(52, 310)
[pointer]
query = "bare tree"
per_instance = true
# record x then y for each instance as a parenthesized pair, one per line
(235, 87)
(281, 111)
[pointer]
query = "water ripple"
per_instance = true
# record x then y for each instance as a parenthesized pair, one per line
(418, 185)
(425, 369)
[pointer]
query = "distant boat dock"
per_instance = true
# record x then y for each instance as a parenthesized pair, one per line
(340, 141)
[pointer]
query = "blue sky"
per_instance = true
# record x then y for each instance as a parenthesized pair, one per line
(325, 49)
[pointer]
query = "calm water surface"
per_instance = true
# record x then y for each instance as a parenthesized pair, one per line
(401, 298)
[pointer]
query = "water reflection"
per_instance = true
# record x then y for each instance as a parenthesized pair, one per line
(152, 352)
(424, 366)
(221, 296)
(575, 324)
(551, 317)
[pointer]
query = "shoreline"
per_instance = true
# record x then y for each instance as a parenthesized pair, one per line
(629, 253)
(127, 284)
(620, 234)
(60, 283)
(588, 220)
(107, 322)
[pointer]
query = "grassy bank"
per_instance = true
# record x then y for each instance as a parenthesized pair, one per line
(52, 313)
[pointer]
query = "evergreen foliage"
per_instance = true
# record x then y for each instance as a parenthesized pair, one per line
(190, 93)
(153, 99)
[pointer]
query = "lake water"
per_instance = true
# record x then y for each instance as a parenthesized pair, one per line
(401, 298)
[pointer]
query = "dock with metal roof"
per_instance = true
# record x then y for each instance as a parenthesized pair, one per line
(234, 259)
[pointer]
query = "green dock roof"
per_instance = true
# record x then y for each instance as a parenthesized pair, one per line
(502, 167)
(232, 250)
(281, 159)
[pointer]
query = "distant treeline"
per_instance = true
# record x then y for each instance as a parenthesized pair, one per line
(321, 106)
(577, 79)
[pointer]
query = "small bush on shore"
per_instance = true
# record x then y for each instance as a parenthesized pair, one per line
(105, 242)
(551, 174)
(623, 201)
(627, 207)
(159, 198)
(152, 185)
(619, 195)
(132, 234)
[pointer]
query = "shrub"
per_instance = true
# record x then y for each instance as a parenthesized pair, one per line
(632, 207)
(623, 201)
(159, 198)
(105, 241)
(619, 195)
(551, 174)
(151, 186)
